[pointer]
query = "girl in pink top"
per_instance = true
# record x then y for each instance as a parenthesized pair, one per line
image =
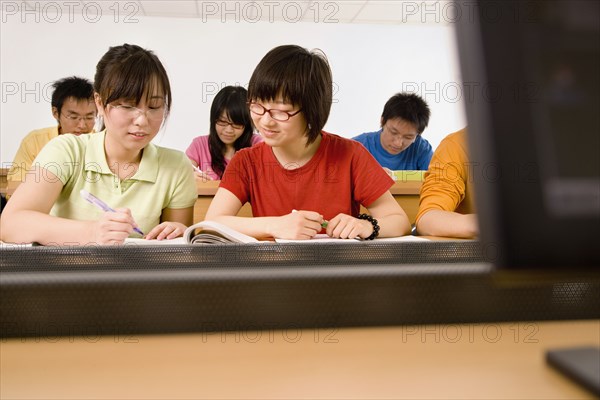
(230, 130)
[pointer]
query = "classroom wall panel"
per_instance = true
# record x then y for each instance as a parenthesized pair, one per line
(369, 62)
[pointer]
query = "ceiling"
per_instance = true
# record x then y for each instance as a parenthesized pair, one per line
(355, 11)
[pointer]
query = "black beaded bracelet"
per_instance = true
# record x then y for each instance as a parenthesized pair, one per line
(373, 221)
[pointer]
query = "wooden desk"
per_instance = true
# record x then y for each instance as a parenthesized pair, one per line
(3, 181)
(471, 361)
(405, 193)
(206, 192)
(7, 188)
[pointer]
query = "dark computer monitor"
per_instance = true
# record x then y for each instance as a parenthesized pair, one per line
(531, 71)
(534, 137)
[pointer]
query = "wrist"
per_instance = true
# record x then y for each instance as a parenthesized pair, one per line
(374, 224)
(91, 233)
(269, 229)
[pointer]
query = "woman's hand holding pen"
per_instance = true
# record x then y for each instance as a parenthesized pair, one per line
(199, 174)
(345, 226)
(297, 225)
(113, 227)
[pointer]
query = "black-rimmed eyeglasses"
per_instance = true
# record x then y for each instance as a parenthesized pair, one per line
(223, 123)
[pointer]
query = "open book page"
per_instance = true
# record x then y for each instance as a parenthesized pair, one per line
(4, 245)
(128, 241)
(140, 241)
(323, 238)
(208, 232)
(319, 238)
(407, 238)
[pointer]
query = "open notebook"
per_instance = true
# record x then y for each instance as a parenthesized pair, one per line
(205, 232)
(209, 232)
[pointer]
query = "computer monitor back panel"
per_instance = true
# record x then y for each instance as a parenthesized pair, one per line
(531, 69)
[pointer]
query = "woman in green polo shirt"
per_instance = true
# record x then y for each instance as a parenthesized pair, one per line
(148, 190)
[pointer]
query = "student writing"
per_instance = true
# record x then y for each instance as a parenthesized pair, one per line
(230, 130)
(150, 188)
(301, 167)
(399, 144)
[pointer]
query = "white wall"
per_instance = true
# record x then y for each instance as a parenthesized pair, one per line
(369, 62)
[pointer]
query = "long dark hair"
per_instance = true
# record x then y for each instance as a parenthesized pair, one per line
(232, 101)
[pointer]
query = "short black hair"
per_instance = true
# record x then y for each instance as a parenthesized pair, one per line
(78, 88)
(409, 107)
(302, 77)
(231, 100)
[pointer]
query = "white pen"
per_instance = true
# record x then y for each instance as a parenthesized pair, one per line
(205, 176)
(101, 205)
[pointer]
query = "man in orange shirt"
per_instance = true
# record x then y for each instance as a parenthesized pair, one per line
(446, 205)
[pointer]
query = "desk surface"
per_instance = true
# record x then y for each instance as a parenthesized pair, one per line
(472, 361)
(3, 180)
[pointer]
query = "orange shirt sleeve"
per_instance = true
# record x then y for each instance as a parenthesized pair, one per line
(445, 184)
